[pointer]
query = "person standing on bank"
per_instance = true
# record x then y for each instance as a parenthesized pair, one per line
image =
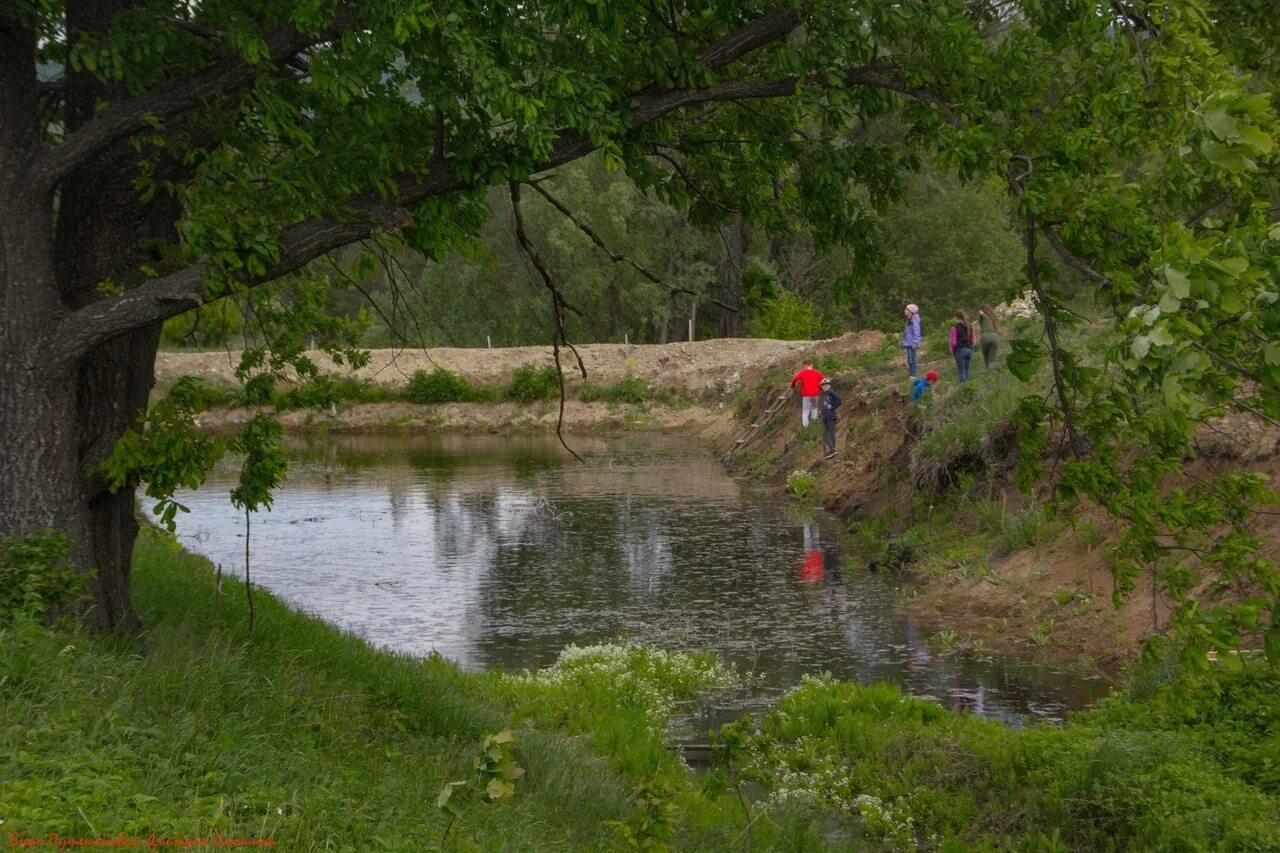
(829, 401)
(911, 337)
(989, 336)
(962, 345)
(808, 379)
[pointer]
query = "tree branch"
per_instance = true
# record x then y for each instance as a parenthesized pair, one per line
(1017, 186)
(1072, 260)
(558, 306)
(128, 117)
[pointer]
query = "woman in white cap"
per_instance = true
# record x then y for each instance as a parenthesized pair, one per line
(911, 337)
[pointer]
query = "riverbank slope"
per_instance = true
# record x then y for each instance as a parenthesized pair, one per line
(928, 490)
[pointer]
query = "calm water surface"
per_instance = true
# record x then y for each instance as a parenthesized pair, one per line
(500, 551)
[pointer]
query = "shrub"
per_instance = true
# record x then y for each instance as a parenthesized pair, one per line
(529, 383)
(829, 365)
(800, 483)
(327, 390)
(200, 395)
(438, 386)
(787, 317)
(36, 575)
(629, 390)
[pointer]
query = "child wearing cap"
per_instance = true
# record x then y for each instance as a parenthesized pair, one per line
(920, 386)
(828, 402)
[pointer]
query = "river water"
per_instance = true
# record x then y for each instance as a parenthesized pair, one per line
(499, 551)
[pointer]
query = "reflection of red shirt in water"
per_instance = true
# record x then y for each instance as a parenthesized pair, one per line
(811, 569)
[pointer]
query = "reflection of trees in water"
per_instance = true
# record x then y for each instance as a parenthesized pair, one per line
(537, 554)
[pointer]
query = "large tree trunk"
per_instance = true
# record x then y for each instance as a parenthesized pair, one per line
(730, 271)
(59, 421)
(40, 463)
(38, 443)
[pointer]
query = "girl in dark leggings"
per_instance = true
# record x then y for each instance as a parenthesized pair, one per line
(989, 335)
(962, 345)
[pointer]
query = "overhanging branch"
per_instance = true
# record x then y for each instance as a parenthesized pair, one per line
(559, 336)
(124, 119)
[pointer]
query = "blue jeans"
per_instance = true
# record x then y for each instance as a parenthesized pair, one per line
(911, 362)
(963, 355)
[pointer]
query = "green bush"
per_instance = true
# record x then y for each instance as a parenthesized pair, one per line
(800, 483)
(630, 390)
(787, 317)
(36, 575)
(201, 395)
(529, 383)
(214, 324)
(1168, 775)
(438, 386)
(327, 390)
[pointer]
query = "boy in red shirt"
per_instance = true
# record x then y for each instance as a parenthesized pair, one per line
(810, 382)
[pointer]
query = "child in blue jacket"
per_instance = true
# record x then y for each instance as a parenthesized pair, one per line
(828, 402)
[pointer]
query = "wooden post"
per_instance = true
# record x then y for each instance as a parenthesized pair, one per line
(489, 341)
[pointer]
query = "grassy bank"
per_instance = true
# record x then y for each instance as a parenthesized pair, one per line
(307, 736)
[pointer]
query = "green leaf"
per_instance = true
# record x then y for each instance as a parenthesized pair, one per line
(1227, 158)
(1271, 646)
(1271, 353)
(1257, 140)
(499, 790)
(447, 792)
(1025, 359)
(1179, 283)
(1220, 123)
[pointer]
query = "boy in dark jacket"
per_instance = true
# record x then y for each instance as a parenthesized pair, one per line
(828, 402)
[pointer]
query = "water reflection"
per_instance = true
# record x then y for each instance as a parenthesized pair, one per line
(498, 552)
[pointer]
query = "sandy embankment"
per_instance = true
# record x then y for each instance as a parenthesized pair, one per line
(712, 372)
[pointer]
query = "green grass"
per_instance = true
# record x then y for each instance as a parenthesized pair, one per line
(1136, 775)
(307, 735)
(956, 424)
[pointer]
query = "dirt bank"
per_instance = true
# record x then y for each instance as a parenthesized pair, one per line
(950, 549)
(710, 374)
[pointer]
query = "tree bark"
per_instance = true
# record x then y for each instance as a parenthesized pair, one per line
(38, 474)
(730, 269)
(59, 421)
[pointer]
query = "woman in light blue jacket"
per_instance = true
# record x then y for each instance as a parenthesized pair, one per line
(911, 337)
